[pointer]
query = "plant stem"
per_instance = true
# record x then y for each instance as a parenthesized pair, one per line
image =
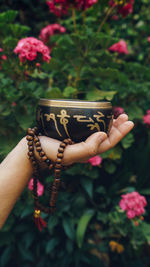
(109, 10)
(74, 20)
(84, 17)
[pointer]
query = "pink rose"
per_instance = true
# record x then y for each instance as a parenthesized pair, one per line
(40, 187)
(95, 161)
(148, 39)
(120, 47)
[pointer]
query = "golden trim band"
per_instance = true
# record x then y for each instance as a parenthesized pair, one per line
(74, 104)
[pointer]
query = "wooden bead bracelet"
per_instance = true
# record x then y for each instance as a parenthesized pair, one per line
(34, 143)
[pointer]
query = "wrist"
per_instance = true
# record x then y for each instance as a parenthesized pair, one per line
(23, 150)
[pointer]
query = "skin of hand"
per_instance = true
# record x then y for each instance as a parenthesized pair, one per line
(16, 169)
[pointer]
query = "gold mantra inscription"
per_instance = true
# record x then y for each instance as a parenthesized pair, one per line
(52, 116)
(40, 117)
(64, 119)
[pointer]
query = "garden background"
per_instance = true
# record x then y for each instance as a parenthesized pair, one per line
(89, 228)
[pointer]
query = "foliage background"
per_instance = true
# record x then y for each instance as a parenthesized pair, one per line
(87, 217)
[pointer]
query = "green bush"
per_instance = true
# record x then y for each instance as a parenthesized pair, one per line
(88, 216)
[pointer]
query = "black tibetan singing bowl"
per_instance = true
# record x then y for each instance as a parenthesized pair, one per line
(74, 119)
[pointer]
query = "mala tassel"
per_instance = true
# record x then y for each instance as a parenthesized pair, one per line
(39, 222)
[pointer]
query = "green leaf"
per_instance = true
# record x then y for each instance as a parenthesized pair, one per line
(96, 94)
(114, 153)
(5, 257)
(41, 75)
(134, 112)
(18, 30)
(24, 121)
(51, 245)
(8, 16)
(68, 227)
(53, 93)
(82, 226)
(69, 91)
(52, 222)
(109, 167)
(127, 141)
(87, 184)
(145, 191)
(146, 231)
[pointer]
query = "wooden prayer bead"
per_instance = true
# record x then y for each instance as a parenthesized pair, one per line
(66, 141)
(58, 166)
(50, 166)
(31, 148)
(30, 153)
(29, 137)
(36, 139)
(57, 182)
(60, 150)
(39, 149)
(42, 153)
(62, 145)
(31, 133)
(30, 143)
(44, 158)
(37, 144)
(58, 160)
(57, 171)
(60, 155)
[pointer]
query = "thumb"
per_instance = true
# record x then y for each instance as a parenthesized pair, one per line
(83, 151)
(93, 142)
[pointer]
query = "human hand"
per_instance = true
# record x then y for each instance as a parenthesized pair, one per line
(95, 144)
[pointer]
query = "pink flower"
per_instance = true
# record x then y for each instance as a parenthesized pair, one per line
(4, 57)
(146, 118)
(124, 8)
(95, 161)
(117, 111)
(133, 203)
(120, 47)
(148, 39)
(13, 104)
(29, 48)
(114, 17)
(40, 187)
(50, 30)
(60, 7)
(38, 65)
(1, 49)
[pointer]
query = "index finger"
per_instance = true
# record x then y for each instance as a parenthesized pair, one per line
(116, 134)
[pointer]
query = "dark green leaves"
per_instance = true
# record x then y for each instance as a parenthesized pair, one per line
(82, 226)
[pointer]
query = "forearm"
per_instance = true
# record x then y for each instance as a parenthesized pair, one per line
(15, 172)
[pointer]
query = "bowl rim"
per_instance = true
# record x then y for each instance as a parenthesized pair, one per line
(74, 103)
